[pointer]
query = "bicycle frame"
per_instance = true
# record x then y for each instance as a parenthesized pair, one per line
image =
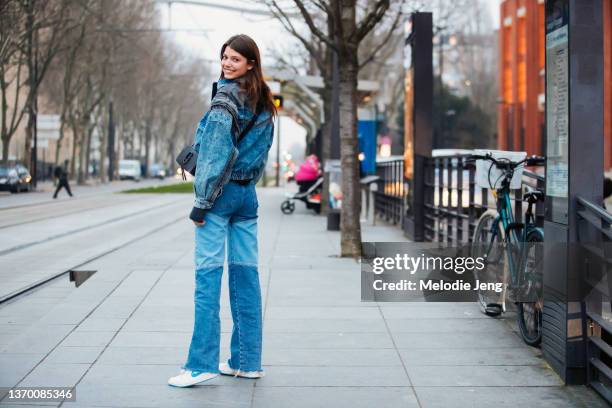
(512, 239)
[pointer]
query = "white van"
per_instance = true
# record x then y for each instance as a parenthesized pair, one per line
(129, 169)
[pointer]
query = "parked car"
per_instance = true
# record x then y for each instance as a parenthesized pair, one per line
(129, 169)
(15, 178)
(157, 171)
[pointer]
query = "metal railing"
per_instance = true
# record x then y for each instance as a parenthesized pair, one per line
(453, 202)
(595, 237)
(390, 194)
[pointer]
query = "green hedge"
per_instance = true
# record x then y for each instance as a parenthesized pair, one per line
(186, 187)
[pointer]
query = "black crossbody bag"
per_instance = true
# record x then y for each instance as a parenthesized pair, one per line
(187, 159)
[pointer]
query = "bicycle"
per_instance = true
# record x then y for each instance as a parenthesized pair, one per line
(497, 234)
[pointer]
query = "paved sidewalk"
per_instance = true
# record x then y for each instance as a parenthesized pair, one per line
(119, 336)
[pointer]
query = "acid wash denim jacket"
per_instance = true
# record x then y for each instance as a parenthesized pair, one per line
(219, 158)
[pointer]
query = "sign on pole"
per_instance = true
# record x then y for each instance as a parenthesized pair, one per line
(47, 127)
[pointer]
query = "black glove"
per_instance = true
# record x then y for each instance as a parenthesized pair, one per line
(197, 214)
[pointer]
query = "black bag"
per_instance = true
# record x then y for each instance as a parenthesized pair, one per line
(187, 160)
(188, 157)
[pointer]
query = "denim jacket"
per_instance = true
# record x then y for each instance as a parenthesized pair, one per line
(219, 158)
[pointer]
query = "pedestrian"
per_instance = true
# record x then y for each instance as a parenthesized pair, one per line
(61, 174)
(229, 164)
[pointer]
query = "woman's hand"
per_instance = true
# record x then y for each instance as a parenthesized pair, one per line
(197, 216)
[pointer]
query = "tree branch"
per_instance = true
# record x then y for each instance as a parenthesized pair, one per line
(286, 22)
(313, 28)
(322, 5)
(371, 19)
(384, 41)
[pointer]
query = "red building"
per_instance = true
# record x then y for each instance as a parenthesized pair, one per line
(521, 77)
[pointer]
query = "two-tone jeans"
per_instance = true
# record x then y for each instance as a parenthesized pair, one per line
(233, 218)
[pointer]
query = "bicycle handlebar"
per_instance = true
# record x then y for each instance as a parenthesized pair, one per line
(505, 163)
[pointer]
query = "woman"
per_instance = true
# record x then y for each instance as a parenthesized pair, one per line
(225, 206)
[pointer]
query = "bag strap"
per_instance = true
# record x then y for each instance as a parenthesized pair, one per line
(251, 123)
(249, 126)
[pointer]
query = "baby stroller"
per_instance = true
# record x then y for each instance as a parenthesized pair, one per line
(311, 197)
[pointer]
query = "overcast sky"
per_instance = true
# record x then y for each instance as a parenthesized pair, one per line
(219, 24)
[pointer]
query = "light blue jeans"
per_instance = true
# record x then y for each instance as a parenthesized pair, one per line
(233, 217)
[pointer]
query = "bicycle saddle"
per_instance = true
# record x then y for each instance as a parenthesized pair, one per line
(533, 195)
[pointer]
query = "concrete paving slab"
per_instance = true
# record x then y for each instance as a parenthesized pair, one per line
(54, 375)
(74, 354)
(510, 397)
(157, 339)
(88, 339)
(467, 325)
(341, 397)
(456, 340)
(116, 355)
(506, 356)
(337, 340)
(322, 312)
(357, 357)
(101, 324)
(38, 339)
(286, 376)
(13, 367)
(347, 325)
(483, 376)
(159, 395)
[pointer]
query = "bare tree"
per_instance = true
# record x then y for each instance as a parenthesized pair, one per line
(342, 37)
(12, 76)
(110, 52)
(45, 24)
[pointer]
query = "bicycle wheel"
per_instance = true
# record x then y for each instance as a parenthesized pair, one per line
(529, 314)
(487, 243)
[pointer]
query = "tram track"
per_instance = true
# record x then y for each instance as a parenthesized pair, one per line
(52, 216)
(41, 282)
(50, 253)
(85, 228)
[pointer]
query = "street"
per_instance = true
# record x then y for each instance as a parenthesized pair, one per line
(123, 332)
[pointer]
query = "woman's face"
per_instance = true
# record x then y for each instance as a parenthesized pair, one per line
(233, 64)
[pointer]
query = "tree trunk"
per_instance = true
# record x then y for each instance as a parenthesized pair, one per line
(5, 150)
(103, 149)
(351, 202)
(6, 138)
(88, 150)
(326, 134)
(58, 143)
(75, 143)
(84, 125)
(147, 152)
(30, 51)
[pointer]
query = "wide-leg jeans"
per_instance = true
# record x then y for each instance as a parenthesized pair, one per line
(233, 218)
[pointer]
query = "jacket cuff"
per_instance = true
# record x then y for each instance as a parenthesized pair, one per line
(201, 203)
(197, 214)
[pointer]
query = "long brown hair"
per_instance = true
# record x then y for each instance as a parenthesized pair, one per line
(252, 82)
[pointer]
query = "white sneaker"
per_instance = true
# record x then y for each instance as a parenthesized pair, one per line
(187, 378)
(225, 369)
